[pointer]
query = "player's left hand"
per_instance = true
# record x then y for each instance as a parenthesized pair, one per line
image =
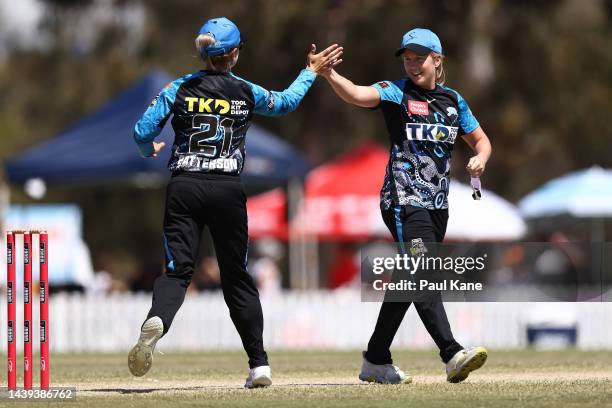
(476, 166)
(325, 60)
(157, 148)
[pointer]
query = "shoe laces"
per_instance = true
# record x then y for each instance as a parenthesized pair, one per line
(395, 368)
(461, 357)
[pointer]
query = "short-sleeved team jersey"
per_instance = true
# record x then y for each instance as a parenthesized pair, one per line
(212, 112)
(423, 126)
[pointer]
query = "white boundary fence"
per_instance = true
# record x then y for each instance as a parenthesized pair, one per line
(297, 320)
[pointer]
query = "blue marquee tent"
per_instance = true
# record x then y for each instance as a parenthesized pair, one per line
(100, 148)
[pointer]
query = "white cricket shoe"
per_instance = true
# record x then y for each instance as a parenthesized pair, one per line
(464, 362)
(259, 377)
(383, 373)
(140, 358)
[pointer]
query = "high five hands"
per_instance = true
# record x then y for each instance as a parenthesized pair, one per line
(325, 60)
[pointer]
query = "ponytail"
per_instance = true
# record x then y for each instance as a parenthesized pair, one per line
(202, 41)
(223, 63)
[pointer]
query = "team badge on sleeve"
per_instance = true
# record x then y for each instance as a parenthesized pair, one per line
(270, 104)
(154, 100)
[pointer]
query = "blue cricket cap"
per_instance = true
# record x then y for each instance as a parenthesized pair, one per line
(420, 40)
(226, 35)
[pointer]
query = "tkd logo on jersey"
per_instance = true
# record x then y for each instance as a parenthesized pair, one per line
(220, 106)
(432, 133)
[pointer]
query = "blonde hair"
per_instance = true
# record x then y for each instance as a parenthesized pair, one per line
(440, 74)
(223, 63)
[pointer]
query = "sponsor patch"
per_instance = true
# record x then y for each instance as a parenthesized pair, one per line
(239, 108)
(383, 84)
(418, 108)
(208, 105)
(431, 132)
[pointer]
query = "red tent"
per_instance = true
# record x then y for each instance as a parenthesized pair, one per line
(341, 200)
(342, 197)
(267, 215)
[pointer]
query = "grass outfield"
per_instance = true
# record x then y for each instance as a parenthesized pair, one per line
(329, 379)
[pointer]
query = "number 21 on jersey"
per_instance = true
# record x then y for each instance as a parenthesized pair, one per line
(213, 137)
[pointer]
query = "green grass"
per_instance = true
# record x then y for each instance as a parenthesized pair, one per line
(329, 379)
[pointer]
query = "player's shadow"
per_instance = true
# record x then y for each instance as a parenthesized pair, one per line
(208, 387)
(149, 390)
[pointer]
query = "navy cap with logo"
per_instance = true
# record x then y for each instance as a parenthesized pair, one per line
(226, 34)
(420, 40)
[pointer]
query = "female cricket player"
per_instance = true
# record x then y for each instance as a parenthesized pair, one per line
(212, 110)
(423, 118)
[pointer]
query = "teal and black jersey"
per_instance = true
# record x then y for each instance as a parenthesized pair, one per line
(423, 126)
(211, 113)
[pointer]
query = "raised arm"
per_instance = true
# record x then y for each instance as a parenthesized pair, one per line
(364, 96)
(274, 103)
(279, 103)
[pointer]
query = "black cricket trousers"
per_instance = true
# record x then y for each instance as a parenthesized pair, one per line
(219, 201)
(408, 223)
